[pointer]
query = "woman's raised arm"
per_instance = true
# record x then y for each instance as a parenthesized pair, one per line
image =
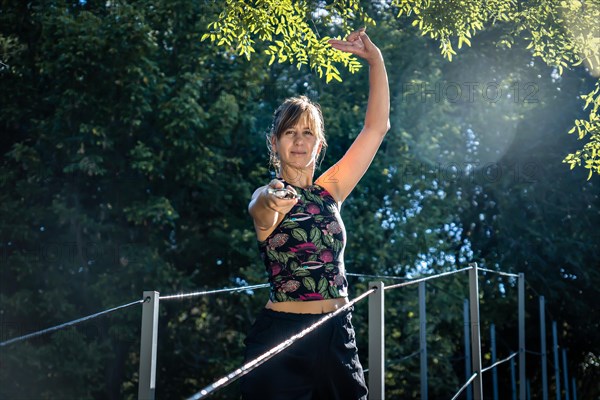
(343, 176)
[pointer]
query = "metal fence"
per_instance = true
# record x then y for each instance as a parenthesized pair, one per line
(376, 338)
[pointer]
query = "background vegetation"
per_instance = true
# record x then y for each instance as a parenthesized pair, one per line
(131, 148)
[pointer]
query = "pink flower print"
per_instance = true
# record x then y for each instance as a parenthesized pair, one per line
(326, 256)
(290, 286)
(334, 228)
(312, 208)
(278, 240)
(311, 296)
(312, 265)
(304, 248)
(324, 194)
(275, 269)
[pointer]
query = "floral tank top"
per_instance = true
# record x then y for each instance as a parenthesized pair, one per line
(304, 255)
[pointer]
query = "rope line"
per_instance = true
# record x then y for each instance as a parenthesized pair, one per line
(537, 353)
(499, 362)
(376, 276)
(250, 365)
(448, 292)
(70, 323)
(399, 360)
(464, 386)
(426, 278)
(236, 289)
(498, 272)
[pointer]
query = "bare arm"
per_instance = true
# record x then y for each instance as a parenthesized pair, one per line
(343, 176)
(267, 210)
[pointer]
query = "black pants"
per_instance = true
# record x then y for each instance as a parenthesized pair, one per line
(322, 365)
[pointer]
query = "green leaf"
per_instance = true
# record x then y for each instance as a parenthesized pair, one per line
(323, 285)
(309, 283)
(333, 290)
(280, 296)
(314, 198)
(301, 272)
(300, 235)
(315, 234)
(289, 224)
(461, 40)
(337, 245)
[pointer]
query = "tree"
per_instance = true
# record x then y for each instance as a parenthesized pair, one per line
(562, 34)
(115, 139)
(131, 149)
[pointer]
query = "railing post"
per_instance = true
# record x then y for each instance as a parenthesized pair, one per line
(494, 370)
(468, 374)
(475, 333)
(565, 373)
(423, 338)
(513, 379)
(556, 365)
(376, 342)
(543, 350)
(147, 372)
(522, 380)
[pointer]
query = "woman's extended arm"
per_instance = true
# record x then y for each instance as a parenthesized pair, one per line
(342, 177)
(267, 210)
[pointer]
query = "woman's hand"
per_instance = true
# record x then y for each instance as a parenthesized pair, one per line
(277, 203)
(359, 44)
(267, 208)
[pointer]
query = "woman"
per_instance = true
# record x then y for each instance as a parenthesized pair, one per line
(301, 238)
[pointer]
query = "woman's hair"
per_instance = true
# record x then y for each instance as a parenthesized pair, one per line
(287, 115)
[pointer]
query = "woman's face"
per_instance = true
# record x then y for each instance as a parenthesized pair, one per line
(299, 145)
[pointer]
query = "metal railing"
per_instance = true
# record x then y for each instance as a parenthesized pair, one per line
(376, 338)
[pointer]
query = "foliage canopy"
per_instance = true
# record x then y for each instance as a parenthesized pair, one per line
(563, 34)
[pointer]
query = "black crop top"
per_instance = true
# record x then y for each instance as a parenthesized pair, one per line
(304, 255)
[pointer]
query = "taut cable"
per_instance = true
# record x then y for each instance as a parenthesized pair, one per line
(499, 362)
(70, 323)
(467, 383)
(412, 282)
(250, 365)
(376, 276)
(204, 293)
(498, 272)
